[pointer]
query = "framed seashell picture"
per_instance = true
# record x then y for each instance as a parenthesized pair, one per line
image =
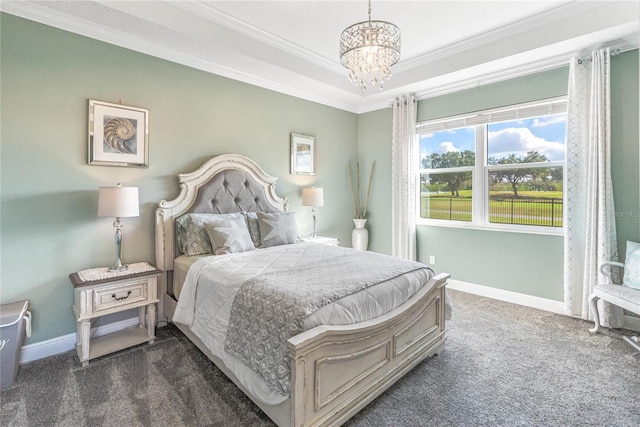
(118, 135)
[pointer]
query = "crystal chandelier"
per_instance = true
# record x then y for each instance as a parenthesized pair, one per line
(369, 49)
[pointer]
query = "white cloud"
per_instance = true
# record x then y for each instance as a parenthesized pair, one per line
(549, 120)
(519, 141)
(447, 147)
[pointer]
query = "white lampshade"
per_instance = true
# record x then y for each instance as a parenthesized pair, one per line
(312, 197)
(118, 202)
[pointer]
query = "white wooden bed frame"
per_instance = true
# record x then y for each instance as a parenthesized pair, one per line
(335, 370)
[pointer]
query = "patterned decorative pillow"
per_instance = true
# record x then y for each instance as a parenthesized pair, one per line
(631, 277)
(191, 235)
(254, 228)
(277, 228)
(229, 235)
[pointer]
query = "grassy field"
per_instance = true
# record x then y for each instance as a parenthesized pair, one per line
(530, 194)
(530, 208)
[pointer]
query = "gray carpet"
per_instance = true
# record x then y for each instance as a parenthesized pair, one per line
(504, 365)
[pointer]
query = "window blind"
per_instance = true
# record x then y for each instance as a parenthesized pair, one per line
(502, 114)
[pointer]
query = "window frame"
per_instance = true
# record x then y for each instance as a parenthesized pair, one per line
(480, 217)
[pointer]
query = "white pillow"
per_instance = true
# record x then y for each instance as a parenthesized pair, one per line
(278, 228)
(631, 277)
(229, 235)
(191, 234)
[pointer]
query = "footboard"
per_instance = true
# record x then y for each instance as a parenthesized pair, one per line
(337, 370)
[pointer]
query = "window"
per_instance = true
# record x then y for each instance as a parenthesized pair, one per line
(498, 169)
(448, 161)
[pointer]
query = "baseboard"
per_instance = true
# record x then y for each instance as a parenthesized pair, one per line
(64, 343)
(631, 323)
(508, 296)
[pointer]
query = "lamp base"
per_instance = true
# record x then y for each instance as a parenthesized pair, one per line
(314, 221)
(118, 268)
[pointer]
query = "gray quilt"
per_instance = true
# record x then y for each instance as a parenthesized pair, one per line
(271, 308)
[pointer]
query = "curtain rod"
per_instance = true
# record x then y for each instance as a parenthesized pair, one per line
(613, 52)
(414, 100)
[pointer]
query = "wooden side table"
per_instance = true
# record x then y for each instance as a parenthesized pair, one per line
(96, 298)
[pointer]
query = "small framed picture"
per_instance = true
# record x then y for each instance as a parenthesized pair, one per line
(303, 154)
(118, 135)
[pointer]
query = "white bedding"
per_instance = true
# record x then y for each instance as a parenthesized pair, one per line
(212, 282)
(181, 266)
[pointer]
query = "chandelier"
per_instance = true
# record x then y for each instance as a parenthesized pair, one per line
(369, 49)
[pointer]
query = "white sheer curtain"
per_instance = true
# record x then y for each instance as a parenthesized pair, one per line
(404, 155)
(590, 228)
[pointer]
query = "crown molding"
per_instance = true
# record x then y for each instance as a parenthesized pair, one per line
(506, 68)
(209, 12)
(472, 70)
(516, 71)
(41, 14)
(505, 32)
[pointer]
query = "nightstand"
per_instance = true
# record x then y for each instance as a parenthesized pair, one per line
(330, 241)
(96, 298)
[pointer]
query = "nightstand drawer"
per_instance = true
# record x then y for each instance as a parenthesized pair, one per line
(118, 296)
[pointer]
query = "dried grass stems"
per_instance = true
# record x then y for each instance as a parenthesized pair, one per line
(359, 210)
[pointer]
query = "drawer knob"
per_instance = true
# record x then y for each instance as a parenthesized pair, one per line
(119, 298)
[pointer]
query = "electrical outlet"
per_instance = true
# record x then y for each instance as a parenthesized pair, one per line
(432, 259)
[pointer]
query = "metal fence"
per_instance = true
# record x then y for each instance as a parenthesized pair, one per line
(452, 208)
(526, 211)
(503, 210)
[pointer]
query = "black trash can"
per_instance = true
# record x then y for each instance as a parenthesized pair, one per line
(14, 319)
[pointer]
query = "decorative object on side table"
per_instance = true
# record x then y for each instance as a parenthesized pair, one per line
(360, 235)
(117, 292)
(313, 197)
(118, 202)
(303, 154)
(118, 135)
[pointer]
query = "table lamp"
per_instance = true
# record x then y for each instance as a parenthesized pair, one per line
(313, 197)
(118, 202)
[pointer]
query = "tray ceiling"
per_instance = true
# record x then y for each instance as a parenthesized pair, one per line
(292, 46)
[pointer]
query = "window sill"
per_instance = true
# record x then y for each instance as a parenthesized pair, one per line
(545, 231)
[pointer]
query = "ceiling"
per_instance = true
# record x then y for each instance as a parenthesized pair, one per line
(292, 46)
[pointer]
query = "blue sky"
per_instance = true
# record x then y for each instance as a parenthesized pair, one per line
(545, 135)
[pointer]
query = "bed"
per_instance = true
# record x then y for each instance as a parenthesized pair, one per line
(332, 371)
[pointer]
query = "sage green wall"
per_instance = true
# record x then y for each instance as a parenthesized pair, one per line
(625, 150)
(524, 263)
(49, 195)
(523, 89)
(374, 136)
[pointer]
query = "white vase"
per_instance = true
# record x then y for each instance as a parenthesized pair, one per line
(360, 235)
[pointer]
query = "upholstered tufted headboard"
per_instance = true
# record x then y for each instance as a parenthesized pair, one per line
(224, 184)
(231, 190)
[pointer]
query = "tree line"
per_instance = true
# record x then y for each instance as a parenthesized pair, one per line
(462, 180)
